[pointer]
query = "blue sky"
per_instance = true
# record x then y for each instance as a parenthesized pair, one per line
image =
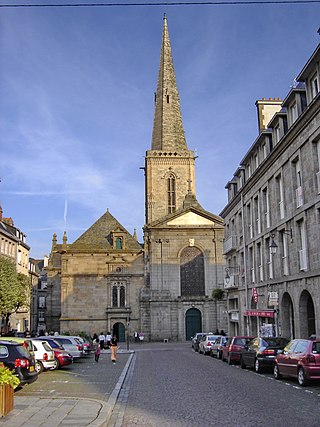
(77, 102)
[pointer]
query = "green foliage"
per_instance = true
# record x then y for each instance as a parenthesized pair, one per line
(217, 293)
(8, 377)
(14, 288)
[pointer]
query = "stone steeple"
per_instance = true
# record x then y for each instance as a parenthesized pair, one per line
(168, 133)
(169, 165)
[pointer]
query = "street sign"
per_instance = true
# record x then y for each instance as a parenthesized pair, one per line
(255, 294)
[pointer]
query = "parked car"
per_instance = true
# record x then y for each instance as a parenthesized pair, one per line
(216, 348)
(18, 358)
(195, 337)
(61, 356)
(71, 344)
(25, 341)
(43, 354)
(260, 353)
(300, 359)
(197, 341)
(86, 345)
(231, 351)
(206, 343)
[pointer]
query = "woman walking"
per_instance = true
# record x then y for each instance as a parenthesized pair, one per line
(114, 347)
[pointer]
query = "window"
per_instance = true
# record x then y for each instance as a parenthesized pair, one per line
(171, 194)
(299, 192)
(249, 220)
(42, 302)
(293, 112)
(119, 243)
(257, 214)
(285, 261)
(192, 272)
(118, 294)
(314, 86)
(318, 165)
(280, 195)
(277, 133)
(303, 246)
(265, 201)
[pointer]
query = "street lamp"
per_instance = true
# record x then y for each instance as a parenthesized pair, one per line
(273, 246)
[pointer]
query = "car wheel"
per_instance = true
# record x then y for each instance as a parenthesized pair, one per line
(302, 377)
(39, 367)
(257, 366)
(229, 360)
(276, 372)
(242, 364)
(56, 364)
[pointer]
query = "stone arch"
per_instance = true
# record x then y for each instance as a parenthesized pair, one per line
(287, 317)
(306, 315)
(192, 279)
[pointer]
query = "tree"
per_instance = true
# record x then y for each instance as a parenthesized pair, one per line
(14, 289)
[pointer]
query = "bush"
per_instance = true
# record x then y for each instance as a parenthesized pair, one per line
(8, 377)
(217, 293)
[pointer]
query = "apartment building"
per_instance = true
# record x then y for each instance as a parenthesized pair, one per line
(272, 218)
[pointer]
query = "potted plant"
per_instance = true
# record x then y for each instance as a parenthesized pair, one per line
(217, 294)
(8, 382)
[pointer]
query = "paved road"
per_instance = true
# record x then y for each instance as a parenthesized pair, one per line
(169, 385)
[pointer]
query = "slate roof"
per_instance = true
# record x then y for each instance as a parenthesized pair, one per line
(99, 236)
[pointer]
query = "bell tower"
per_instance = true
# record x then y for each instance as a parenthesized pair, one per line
(169, 165)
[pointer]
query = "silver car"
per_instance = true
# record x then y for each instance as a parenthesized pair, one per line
(71, 344)
(206, 343)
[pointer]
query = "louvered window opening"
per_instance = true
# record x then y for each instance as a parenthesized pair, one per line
(171, 194)
(192, 272)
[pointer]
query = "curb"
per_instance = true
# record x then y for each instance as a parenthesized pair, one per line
(107, 408)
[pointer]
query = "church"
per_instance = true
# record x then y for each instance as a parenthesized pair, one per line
(166, 287)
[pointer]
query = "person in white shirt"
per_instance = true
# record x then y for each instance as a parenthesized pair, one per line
(101, 340)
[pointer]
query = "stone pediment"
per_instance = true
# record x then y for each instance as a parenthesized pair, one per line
(191, 218)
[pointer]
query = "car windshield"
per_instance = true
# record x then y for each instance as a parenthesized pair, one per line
(55, 344)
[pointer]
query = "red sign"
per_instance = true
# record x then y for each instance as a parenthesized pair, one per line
(260, 313)
(255, 294)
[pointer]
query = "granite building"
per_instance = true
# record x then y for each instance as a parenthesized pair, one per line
(106, 280)
(272, 219)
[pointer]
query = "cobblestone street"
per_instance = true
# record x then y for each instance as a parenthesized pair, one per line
(170, 385)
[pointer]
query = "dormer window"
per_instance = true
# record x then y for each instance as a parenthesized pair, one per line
(293, 112)
(314, 85)
(118, 239)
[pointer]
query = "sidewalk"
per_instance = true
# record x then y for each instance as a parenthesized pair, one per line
(30, 411)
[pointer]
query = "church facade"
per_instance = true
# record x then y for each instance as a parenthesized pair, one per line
(107, 281)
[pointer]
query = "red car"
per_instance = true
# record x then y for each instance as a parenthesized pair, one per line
(300, 359)
(231, 351)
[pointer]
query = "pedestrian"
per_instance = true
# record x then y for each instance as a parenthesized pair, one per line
(108, 339)
(141, 337)
(95, 338)
(97, 354)
(217, 332)
(222, 333)
(101, 340)
(136, 336)
(114, 348)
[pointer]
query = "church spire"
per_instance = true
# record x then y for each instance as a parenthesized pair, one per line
(168, 132)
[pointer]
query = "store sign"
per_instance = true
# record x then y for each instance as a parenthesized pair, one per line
(273, 298)
(260, 313)
(255, 294)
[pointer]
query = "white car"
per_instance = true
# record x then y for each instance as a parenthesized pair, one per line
(43, 354)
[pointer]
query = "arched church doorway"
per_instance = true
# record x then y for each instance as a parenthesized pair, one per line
(119, 330)
(193, 322)
(287, 317)
(307, 318)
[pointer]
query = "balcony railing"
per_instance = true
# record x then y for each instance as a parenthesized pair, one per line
(231, 282)
(230, 244)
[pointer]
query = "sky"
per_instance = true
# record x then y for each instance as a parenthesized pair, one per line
(77, 102)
